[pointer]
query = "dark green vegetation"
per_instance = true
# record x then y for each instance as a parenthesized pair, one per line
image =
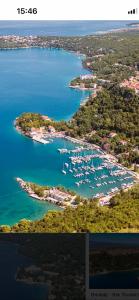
(115, 110)
(121, 216)
(39, 189)
(27, 121)
(113, 260)
(113, 56)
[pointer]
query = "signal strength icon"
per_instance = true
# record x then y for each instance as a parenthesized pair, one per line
(133, 11)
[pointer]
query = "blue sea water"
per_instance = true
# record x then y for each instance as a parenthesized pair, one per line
(35, 80)
(32, 80)
(10, 261)
(115, 280)
(67, 28)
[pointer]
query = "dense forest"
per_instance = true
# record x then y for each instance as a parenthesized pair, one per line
(29, 120)
(115, 109)
(111, 259)
(121, 216)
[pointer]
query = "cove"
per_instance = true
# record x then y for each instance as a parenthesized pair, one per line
(34, 80)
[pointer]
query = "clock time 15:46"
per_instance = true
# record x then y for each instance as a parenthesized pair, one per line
(23, 11)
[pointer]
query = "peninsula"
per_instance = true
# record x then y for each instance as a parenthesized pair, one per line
(55, 195)
(108, 122)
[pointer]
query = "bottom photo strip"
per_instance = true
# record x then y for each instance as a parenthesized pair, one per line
(112, 266)
(69, 266)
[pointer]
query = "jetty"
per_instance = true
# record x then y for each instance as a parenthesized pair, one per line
(40, 140)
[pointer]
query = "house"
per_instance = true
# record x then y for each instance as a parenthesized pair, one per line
(46, 118)
(51, 129)
(37, 131)
(59, 195)
(122, 142)
(87, 76)
(101, 81)
(34, 130)
(106, 146)
(132, 83)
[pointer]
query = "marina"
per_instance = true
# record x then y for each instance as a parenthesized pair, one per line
(89, 166)
(52, 159)
(93, 169)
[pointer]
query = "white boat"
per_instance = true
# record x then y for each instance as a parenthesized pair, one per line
(63, 171)
(66, 164)
(40, 140)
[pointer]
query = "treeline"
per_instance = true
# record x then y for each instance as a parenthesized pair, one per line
(113, 56)
(27, 121)
(111, 261)
(115, 109)
(121, 216)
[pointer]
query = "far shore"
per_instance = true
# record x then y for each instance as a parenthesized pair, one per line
(114, 271)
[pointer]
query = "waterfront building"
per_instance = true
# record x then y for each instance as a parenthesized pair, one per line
(59, 195)
(87, 76)
(51, 129)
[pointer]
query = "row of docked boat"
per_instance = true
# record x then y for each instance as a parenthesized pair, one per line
(76, 150)
(82, 165)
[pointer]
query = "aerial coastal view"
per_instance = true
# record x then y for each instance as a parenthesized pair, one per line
(113, 261)
(70, 129)
(35, 272)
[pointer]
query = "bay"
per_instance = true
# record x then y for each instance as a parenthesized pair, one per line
(36, 80)
(33, 80)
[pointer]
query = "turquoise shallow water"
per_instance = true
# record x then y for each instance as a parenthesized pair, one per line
(36, 80)
(32, 80)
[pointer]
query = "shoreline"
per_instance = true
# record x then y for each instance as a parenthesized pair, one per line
(105, 199)
(115, 271)
(111, 158)
(82, 89)
(82, 142)
(50, 198)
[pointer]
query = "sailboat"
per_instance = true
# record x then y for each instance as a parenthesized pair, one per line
(63, 171)
(70, 169)
(66, 164)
